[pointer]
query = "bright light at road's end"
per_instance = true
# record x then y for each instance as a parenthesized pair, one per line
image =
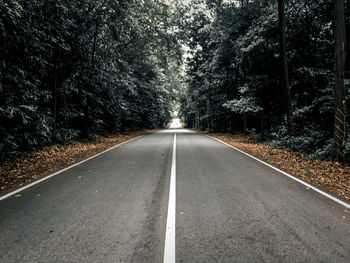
(175, 123)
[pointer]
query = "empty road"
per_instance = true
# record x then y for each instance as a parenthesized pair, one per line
(211, 202)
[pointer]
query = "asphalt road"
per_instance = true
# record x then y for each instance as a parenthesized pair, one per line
(229, 208)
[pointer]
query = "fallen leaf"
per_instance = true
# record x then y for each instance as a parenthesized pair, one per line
(52, 158)
(330, 176)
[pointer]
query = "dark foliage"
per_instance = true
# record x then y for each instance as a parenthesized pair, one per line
(77, 69)
(233, 82)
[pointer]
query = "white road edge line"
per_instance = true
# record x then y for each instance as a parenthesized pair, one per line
(287, 174)
(169, 247)
(63, 170)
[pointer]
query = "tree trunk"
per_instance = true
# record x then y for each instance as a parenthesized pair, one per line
(284, 67)
(231, 123)
(339, 68)
(262, 125)
(55, 87)
(210, 115)
(86, 128)
(245, 124)
(55, 97)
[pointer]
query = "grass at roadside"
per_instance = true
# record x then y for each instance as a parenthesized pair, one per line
(26, 169)
(331, 176)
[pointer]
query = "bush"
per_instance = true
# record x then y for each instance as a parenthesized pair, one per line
(312, 142)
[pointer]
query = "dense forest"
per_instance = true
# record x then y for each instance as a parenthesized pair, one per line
(272, 70)
(80, 69)
(275, 70)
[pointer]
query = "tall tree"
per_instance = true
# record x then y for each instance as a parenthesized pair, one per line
(74, 69)
(284, 68)
(340, 106)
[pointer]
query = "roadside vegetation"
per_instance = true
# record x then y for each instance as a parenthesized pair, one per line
(78, 70)
(334, 177)
(25, 169)
(273, 70)
(74, 74)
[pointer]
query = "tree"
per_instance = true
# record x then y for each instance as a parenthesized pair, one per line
(81, 69)
(284, 68)
(339, 90)
(233, 45)
(246, 105)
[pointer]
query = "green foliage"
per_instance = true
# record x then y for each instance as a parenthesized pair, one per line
(79, 69)
(234, 72)
(76, 69)
(312, 142)
(246, 104)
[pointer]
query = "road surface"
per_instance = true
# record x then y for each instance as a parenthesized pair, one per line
(227, 208)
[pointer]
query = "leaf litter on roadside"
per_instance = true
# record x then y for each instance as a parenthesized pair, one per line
(333, 177)
(22, 170)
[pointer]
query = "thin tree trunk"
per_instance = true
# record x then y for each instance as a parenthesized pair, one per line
(339, 107)
(262, 125)
(55, 97)
(245, 124)
(284, 71)
(55, 87)
(91, 72)
(210, 115)
(94, 45)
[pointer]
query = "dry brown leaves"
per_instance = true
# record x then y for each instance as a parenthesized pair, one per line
(330, 176)
(26, 169)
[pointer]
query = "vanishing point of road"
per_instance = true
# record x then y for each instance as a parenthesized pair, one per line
(172, 196)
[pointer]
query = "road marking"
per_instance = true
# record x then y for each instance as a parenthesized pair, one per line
(63, 170)
(287, 174)
(169, 247)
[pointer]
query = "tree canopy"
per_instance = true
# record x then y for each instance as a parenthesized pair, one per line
(77, 69)
(80, 69)
(234, 71)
